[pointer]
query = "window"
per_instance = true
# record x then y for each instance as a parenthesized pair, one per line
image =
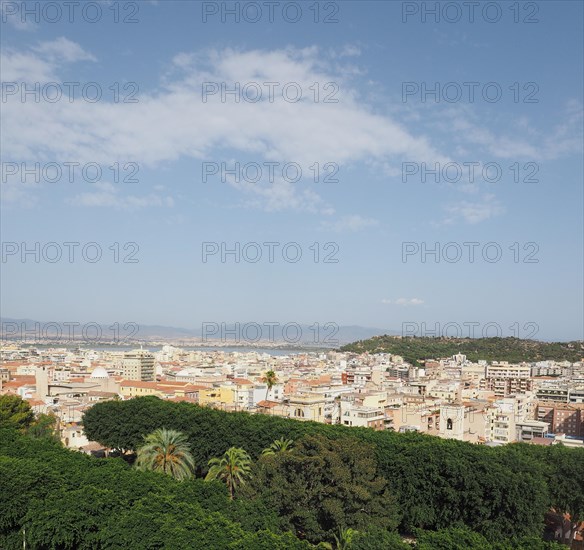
(449, 424)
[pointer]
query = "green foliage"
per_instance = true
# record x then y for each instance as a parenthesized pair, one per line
(270, 379)
(566, 482)
(66, 500)
(322, 487)
(501, 492)
(413, 348)
(15, 412)
(281, 445)
(345, 538)
(457, 538)
(167, 452)
(45, 425)
(452, 539)
(375, 538)
(234, 467)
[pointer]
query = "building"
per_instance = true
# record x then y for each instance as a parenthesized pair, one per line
(139, 365)
(505, 379)
(164, 390)
(510, 414)
(562, 418)
(528, 429)
(464, 421)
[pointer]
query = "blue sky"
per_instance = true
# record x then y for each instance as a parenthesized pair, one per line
(368, 55)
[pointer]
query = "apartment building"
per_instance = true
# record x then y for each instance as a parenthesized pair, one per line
(139, 365)
(362, 416)
(505, 415)
(528, 429)
(562, 418)
(505, 379)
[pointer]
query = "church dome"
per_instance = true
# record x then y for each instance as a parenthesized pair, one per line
(99, 372)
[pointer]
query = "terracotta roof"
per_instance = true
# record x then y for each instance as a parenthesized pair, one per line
(35, 402)
(161, 386)
(267, 404)
(181, 398)
(242, 381)
(542, 441)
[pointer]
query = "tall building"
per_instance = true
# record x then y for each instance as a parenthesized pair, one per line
(506, 379)
(139, 365)
(511, 419)
(562, 418)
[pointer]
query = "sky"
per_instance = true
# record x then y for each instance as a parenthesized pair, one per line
(356, 163)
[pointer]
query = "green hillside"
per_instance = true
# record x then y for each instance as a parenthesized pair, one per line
(414, 348)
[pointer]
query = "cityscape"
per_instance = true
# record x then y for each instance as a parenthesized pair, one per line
(490, 403)
(291, 275)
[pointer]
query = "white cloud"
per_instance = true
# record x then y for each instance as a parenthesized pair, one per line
(107, 195)
(519, 140)
(10, 12)
(174, 123)
(403, 301)
(62, 49)
(40, 63)
(474, 212)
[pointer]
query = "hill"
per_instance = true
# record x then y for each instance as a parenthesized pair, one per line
(416, 349)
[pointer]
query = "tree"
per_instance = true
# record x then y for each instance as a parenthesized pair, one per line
(281, 445)
(454, 538)
(323, 486)
(15, 412)
(345, 538)
(168, 452)
(45, 425)
(270, 379)
(234, 467)
(567, 489)
(375, 537)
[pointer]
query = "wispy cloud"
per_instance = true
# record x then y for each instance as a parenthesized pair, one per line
(160, 128)
(40, 63)
(473, 212)
(107, 195)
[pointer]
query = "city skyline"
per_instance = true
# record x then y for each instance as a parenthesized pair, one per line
(167, 235)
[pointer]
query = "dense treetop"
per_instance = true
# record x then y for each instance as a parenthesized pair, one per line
(501, 493)
(328, 487)
(416, 349)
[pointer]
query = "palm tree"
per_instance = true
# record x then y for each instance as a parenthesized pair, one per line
(279, 446)
(270, 379)
(168, 452)
(343, 541)
(233, 468)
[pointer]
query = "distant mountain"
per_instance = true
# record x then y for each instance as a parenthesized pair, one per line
(417, 349)
(324, 335)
